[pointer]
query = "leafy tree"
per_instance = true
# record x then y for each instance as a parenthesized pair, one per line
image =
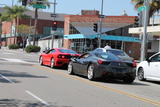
(13, 14)
(154, 5)
(43, 2)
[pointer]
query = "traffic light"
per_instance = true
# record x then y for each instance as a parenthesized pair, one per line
(95, 27)
(24, 2)
(54, 27)
(136, 23)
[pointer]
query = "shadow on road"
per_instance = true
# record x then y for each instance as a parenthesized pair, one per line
(7, 73)
(20, 103)
(154, 82)
(116, 81)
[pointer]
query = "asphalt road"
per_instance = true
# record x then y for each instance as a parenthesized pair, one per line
(24, 83)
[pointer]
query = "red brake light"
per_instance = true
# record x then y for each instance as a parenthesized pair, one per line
(99, 61)
(134, 63)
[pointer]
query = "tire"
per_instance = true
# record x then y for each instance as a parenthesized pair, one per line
(90, 72)
(141, 74)
(52, 63)
(40, 60)
(70, 68)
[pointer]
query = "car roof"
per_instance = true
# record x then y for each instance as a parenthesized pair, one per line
(61, 48)
(109, 49)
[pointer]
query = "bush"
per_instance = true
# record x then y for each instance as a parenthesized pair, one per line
(31, 48)
(13, 46)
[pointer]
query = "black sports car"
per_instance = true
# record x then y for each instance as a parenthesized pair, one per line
(107, 63)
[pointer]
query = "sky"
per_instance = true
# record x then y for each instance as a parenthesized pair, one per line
(111, 7)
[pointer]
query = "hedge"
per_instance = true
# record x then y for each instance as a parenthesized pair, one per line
(13, 46)
(31, 48)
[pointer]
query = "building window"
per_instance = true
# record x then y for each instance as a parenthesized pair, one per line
(73, 30)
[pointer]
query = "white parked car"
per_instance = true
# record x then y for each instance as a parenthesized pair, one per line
(149, 69)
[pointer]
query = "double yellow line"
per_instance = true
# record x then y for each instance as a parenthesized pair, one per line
(103, 87)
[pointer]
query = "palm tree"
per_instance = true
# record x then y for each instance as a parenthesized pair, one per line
(13, 14)
(154, 5)
(42, 2)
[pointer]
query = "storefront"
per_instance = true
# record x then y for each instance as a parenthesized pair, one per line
(82, 43)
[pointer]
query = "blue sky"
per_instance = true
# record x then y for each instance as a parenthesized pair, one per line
(111, 7)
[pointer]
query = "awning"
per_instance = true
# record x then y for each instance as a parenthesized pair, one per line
(87, 28)
(103, 37)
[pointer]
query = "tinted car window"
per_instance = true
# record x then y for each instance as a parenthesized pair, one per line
(67, 51)
(118, 52)
(155, 58)
(50, 51)
(108, 56)
(84, 56)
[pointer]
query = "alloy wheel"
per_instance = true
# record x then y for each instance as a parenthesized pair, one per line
(52, 63)
(70, 68)
(141, 74)
(41, 60)
(91, 72)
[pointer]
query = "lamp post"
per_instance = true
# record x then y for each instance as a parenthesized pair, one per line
(144, 37)
(100, 25)
(54, 16)
(12, 3)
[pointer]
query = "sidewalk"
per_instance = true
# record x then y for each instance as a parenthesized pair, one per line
(19, 51)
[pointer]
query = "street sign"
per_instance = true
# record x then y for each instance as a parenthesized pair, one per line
(39, 6)
(53, 15)
(101, 16)
(139, 9)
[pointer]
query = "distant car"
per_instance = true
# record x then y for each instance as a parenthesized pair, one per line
(106, 63)
(57, 57)
(149, 69)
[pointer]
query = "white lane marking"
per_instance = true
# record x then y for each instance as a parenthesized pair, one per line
(6, 78)
(14, 60)
(7, 53)
(28, 92)
(17, 60)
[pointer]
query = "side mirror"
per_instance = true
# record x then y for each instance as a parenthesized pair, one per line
(148, 60)
(74, 59)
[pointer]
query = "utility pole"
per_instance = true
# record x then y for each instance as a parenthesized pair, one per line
(144, 37)
(100, 29)
(54, 16)
(12, 3)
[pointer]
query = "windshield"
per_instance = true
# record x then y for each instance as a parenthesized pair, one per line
(67, 51)
(118, 53)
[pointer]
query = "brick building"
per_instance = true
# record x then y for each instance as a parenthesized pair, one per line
(80, 36)
(44, 27)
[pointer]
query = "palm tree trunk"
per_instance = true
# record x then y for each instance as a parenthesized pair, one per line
(16, 24)
(35, 26)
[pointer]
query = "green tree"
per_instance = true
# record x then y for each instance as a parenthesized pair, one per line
(154, 5)
(13, 14)
(24, 31)
(42, 2)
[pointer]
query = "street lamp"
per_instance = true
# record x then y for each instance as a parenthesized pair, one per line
(54, 16)
(144, 37)
(100, 29)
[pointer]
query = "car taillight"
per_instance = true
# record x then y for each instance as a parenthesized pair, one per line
(99, 61)
(134, 63)
(61, 56)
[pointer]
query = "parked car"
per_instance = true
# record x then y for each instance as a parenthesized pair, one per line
(57, 57)
(106, 63)
(149, 69)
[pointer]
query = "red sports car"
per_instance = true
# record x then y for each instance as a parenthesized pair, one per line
(57, 57)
